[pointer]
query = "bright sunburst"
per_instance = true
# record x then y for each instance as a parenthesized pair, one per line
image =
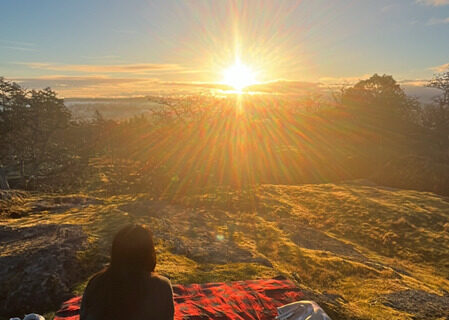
(239, 76)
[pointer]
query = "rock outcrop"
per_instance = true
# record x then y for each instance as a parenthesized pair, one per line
(38, 266)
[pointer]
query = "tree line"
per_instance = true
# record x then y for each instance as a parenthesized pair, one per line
(372, 130)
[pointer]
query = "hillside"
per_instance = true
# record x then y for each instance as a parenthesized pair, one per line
(361, 250)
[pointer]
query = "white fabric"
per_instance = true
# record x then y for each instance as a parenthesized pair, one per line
(302, 310)
(31, 316)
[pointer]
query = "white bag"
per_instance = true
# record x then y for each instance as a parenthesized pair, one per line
(302, 310)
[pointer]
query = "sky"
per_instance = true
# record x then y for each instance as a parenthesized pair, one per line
(106, 48)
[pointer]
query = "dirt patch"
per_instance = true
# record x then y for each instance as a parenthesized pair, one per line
(38, 266)
(422, 304)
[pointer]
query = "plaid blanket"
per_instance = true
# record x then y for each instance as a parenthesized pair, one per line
(253, 299)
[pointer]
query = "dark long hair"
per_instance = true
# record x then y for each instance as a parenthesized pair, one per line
(133, 258)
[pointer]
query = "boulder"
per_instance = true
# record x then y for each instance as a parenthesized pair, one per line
(38, 266)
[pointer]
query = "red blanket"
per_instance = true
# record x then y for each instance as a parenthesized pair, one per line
(253, 299)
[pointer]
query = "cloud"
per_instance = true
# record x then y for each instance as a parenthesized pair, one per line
(349, 81)
(106, 86)
(390, 7)
(195, 84)
(17, 45)
(111, 68)
(414, 82)
(434, 3)
(19, 48)
(292, 87)
(441, 68)
(103, 57)
(111, 87)
(55, 81)
(341, 81)
(96, 86)
(434, 21)
(91, 86)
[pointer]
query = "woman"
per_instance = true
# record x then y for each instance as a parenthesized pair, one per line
(129, 288)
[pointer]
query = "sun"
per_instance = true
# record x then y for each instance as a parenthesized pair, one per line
(239, 76)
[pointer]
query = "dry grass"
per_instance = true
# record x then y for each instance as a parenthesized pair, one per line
(354, 242)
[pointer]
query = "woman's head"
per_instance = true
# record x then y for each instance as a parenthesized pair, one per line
(133, 250)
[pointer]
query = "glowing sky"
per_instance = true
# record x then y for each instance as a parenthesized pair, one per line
(136, 47)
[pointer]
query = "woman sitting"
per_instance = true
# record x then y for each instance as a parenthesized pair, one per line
(129, 289)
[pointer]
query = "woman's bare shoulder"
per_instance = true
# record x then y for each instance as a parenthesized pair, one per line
(157, 279)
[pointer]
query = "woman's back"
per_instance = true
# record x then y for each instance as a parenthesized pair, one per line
(156, 303)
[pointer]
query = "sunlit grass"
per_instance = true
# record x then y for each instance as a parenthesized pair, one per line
(346, 253)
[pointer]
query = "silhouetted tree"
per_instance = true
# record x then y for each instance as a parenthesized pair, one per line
(441, 82)
(436, 115)
(13, 118)
(29, 123)
(380, 101)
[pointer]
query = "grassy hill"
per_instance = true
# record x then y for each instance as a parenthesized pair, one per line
(361, 250)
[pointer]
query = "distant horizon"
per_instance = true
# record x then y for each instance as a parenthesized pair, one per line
(416, 90)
